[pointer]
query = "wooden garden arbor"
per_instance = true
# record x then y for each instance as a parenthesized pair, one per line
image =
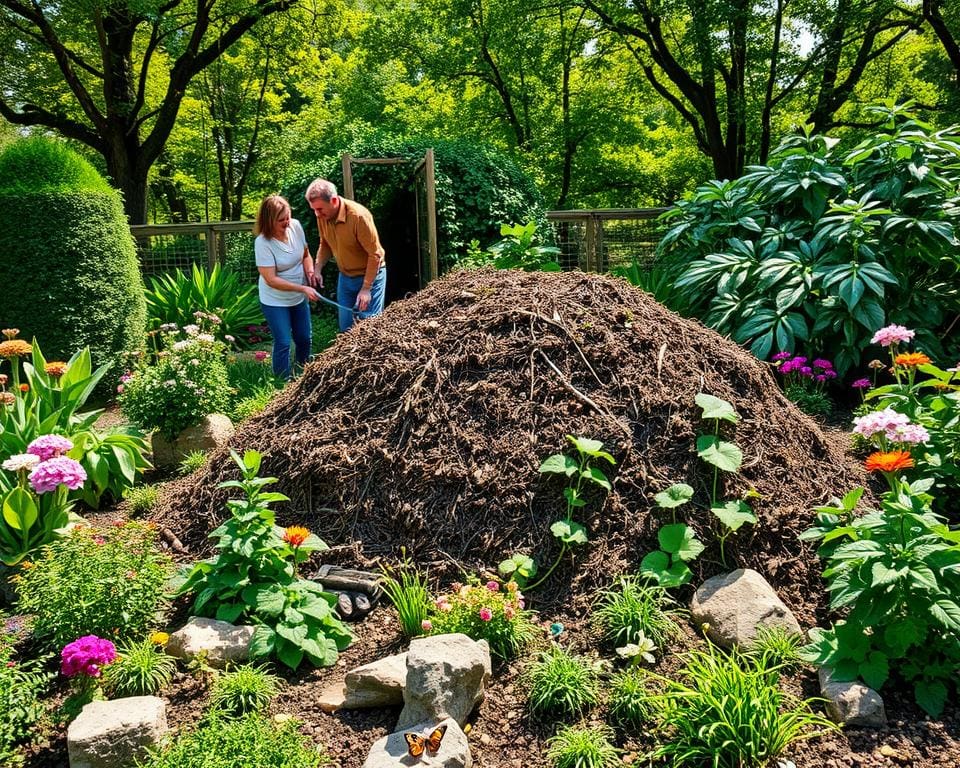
(425, 196)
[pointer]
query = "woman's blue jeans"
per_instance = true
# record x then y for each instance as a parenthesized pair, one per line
(286, 323)
(347, 290)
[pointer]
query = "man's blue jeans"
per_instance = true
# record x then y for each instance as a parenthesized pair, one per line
(287, 322)
(347, 290)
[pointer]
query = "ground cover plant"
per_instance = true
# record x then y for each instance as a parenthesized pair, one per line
(562, 684)
(140, 669)
(22, 683)
(244, 690)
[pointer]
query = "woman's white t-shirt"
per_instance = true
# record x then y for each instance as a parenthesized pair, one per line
(287, 258)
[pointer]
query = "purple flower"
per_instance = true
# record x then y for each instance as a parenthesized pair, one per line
(788, 367)
(49, 446)
(806, 371)
(820, 377)
(800, 360)
(891, 335)
(59, 470)
(821, 363)
(86, 656)
(861, 384)
(782, 356)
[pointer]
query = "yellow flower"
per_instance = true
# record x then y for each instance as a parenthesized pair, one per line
(295, 535)
(14, 348)
(26, 565)
(159, 638)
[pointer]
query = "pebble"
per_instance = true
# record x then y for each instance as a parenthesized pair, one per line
(485, 739)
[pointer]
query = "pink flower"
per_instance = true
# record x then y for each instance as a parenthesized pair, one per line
(861, 384)
(493, 586)
(486, 614)
(86, 656)
(49, 446)
(60, 470)
(260, 356)
(508, 612)
(892, 334)
(119, 389)
(426, 625)
(99, 541)
(443, 605)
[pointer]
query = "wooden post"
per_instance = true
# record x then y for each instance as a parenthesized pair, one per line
(210, 235)
(430, 179)
(346, 162)
(590, 246)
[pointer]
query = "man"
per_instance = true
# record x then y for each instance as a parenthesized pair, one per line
(347, 232)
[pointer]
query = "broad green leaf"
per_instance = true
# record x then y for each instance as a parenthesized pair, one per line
(590, 447)
(675, 496)
(559, 464)
(265, 600)
(734, 514)
(569, 532)
(875, 670)
(262, 642)
(715, 408)
(19, 509)
(723, 455)
(229, 612)
(679, 539)
(947, 614)
(931, 696)
(594, 475)
(290, 654)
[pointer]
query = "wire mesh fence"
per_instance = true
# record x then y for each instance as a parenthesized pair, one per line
(592, 241)
(600, 240)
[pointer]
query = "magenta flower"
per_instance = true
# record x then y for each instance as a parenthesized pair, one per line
(782, 356)
(493, 586)
(60, 470)
(861, 384)
(86, 656)
(821, 363)
(260, 356)
(49, 446)
(892, 334)
(486, 614)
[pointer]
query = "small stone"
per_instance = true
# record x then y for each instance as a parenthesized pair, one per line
(485, 739)
(282, 717)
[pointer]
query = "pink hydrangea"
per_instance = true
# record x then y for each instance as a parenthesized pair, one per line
(914, 434)
(49, 446)
(86, 656)
(60, 470)
(892, 334)
(486, 614)
(895, 427)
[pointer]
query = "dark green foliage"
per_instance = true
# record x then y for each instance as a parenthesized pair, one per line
(563, 684)
(824, 246)
(478, 189)
(243, 690)
(67, 261)
(21, 684)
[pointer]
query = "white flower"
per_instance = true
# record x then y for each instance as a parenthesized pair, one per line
(205, 337)
(181, 345)
(638, 650)
(230, 338)
(21, 461)
(194, 361)
(168, 327)
(191, 330)
(169, 383)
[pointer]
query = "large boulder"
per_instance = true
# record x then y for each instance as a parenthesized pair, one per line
(218, 642)
(117, 733)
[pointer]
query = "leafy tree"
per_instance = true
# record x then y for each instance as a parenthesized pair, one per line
(825, 246)
(944, 20)
(114, 75)
(726, 65)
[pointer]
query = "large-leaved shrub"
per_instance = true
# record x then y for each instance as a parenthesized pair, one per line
(824, 246)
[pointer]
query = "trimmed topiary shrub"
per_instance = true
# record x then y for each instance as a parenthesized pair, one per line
(478, 188)
(68, 264)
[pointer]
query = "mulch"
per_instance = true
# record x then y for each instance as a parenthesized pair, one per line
(420, 434)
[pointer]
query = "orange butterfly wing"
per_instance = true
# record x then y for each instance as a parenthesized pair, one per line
(433, 741)
(415, 744)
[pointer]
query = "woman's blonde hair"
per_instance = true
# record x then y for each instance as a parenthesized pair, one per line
(270, 211)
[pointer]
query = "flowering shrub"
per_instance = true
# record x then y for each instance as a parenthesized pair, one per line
(82, 661)
(918, 412)
(254, 578)
(109, 582)
(36, 508)
(490, 611)
(187, 382)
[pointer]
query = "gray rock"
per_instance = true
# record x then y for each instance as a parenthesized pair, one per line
(114, 734)
(391, 751)
(446, 677)
(852, 703)
(735, 605)
(222, 642)
(213, 432)
(378, 684)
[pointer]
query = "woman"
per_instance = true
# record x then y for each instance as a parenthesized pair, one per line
(286, 281)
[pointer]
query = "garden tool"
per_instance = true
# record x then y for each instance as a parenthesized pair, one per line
(331, 302)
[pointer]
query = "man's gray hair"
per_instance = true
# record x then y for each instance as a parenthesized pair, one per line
(321, 189)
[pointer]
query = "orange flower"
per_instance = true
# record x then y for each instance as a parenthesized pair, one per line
(888, 461)
(24, 388)
(56, 369)
(911, 359)
(295, 535)
(14, 348)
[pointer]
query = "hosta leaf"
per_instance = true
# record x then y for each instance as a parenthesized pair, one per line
(262, 642)
(723, 455)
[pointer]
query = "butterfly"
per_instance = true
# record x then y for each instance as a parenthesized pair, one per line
(417, 744)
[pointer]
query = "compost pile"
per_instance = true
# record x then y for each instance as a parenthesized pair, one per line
(424, 429)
